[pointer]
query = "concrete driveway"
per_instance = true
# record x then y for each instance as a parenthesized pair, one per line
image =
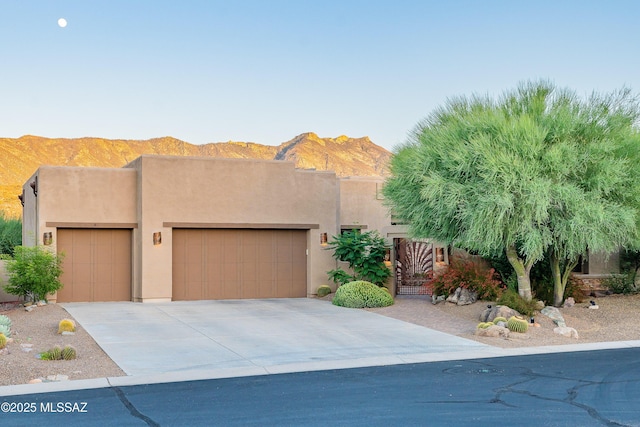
(249, 337)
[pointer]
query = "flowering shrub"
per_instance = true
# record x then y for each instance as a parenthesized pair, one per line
(469, 275)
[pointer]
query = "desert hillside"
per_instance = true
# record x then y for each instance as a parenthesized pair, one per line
(20, 157)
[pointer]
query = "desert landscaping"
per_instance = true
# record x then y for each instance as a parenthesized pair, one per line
(36, 331)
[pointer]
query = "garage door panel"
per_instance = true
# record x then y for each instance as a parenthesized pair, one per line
(241, 263)
(97, 265)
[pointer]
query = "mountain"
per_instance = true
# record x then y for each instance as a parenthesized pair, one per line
(20, 157)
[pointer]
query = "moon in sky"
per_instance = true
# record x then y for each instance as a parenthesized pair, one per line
(62, 22)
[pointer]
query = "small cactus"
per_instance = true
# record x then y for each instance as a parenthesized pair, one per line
(55, 353)
(323, 291)
(499, 319)
(517, 324)
(484, 325)
(66, 325)
(3, 340)
(68, 353)
(4, 320)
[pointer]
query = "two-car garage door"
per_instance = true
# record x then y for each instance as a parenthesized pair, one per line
(239, 263)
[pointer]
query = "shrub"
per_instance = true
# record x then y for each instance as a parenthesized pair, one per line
(620, 284)
(513, 300)
(364, 252)
(34, 273)
(10, 234)
(323, 291)
(361, 294)
(469, 275)
(66, 325)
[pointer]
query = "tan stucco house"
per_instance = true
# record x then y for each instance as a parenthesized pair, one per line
(166, 228)
(187, 228)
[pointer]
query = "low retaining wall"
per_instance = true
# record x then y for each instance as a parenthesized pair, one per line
(5, 297)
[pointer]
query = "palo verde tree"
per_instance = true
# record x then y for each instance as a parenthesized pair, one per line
(513, 175)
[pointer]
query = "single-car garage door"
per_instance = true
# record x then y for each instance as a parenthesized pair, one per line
(96, 266)
(234, 264)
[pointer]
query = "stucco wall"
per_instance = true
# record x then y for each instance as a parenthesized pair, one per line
(78, 197)
(361, 203)
(211, 193)
(601, 263)
(4, 297)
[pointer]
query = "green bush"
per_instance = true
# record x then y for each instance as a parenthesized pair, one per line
(10, 234)
(34, 273)
(469, 275)
(365, 254)
(620, 284)
(361, 294)
(513, 300)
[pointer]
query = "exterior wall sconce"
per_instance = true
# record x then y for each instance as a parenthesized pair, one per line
(47, 238)
(157, 238)
(323, 239)
(439, 254)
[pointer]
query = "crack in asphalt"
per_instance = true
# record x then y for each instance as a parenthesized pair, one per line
(572, 393)
(132, 409)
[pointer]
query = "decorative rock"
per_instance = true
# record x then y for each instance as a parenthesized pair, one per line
(569, 302)
(565, 331)
(539, 305)
(58, 377)
(26, 347)
(463, 296)
(29, 308)
(67, 333)
(435, 300)
(498, 311)
(594, 307)
(35, 381)
(467, 297)
(41, 303)
(555, 315)
(494, 331)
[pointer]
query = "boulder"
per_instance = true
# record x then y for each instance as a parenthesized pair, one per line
(492, 312)
(555, 315)
(569, 302)
(566, 331)
(437, 299)
(494, 331)
(463, 296)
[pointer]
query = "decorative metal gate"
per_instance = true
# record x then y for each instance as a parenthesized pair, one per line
(414, 264)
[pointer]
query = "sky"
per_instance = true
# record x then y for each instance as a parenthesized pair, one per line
(266, 71)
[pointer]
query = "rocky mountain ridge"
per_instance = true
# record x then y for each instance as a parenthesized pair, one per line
(21, 157)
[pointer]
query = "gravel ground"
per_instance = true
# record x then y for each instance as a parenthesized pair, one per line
(613, 321)
(39, 328)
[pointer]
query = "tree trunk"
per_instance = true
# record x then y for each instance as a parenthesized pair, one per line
(560, 278)
(522, 270)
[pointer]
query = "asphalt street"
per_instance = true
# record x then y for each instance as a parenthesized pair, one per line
(590, 388)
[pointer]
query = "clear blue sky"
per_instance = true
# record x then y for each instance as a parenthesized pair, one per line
(268, 70)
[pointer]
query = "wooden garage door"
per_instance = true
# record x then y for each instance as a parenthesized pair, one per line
(96, 266)
(234, 264)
